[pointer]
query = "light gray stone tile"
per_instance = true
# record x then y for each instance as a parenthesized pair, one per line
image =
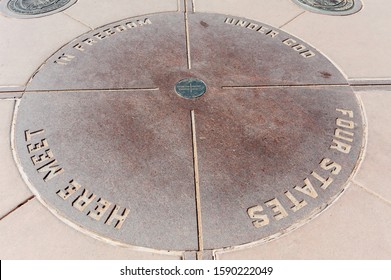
(32, 232)
(26, 43)
(375, 171)
(13, 190)
(275, 13)
(360, 43)
(357, 226)
(97, 13)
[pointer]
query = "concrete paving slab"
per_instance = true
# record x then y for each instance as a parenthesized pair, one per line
(275, 13)
(13, 190)
(359, 44)
(106, 11)
(31, 232)
(27, 43)
(375, 172)
(355, 227)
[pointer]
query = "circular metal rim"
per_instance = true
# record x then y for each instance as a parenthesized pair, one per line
(261, 241)
(356, 8)
(9, 13)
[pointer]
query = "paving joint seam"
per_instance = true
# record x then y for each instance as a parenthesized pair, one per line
(289, 21)
(370, 81)
(378, 196)
(77, 20)
(193, 5)
(10, 98)
(192, 255)
(10, 91)
(157, 89)
(12, 88)
(24, 202)
(370, 85)
(185, 5)
(371, 89)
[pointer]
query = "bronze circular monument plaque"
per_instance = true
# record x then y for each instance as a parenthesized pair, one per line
(34, 8)
(105, 141)
(331, 7)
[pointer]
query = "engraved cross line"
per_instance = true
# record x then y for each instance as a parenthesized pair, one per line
(194, 137)
(190, 87)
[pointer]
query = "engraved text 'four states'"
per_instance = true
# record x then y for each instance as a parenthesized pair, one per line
(343, 138)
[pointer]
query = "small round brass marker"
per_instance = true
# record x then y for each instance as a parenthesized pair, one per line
(190, 88)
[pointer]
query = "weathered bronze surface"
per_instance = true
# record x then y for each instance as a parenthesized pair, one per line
(102, 133)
